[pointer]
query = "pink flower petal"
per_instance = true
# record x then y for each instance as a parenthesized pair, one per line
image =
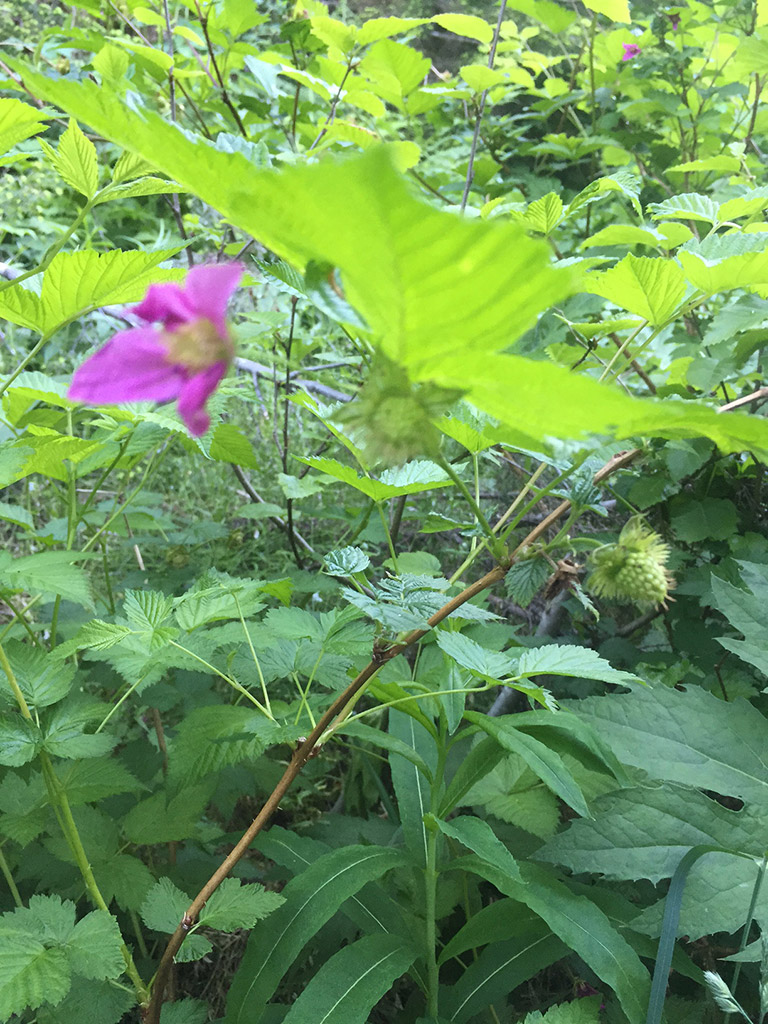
(168, 303)
(195, 393)
(132, 367)
(209, 288)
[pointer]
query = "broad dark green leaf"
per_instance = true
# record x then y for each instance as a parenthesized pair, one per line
(348, 986)
(311, 899)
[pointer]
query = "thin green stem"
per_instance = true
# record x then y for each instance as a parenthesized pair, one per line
(750, 918)
(227, 679)
(52, 250)
(5, 665)
(388, 535)
(431, 875)
(254, 656)
(478, 512)
(154, 462)
(430, 937)
(120, 703)
(58, 796)
(9, 627)
(9, 879)
(20, 618)
(624, 346)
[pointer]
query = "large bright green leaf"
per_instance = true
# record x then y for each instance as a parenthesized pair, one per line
(311, 899)
(78, 282)
(441, 294)
(426, 281)
(18, 121)
(652, 287)
(616, 10)
(348, 986)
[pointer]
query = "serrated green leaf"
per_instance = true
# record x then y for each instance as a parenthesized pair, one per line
(480, 298)
(17, 515)
(525, 578)
(75, 160)
(96, 1000)
(95, 636)
(348, 986)
(345, 561)
(421, 476)
(686, 736)
(94, 949)
(435, 254)
(687, 206)
(20, 740)
(64, 732)
(579, 1011)
(148, 186)
(159, 819)
(78, 282)
(95, 778)
(645, 832)
(652, 287)
(544, 214)
(164, 906)
(210, 738)
(30, 974)
(511, 792)
(48, 572)
(311, 899)
(184, 1011)
(239, 905)
(41, 678)
(18, 121)
(469, 654)
(567, 660)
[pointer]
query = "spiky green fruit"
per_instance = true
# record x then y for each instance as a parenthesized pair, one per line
(634, 570)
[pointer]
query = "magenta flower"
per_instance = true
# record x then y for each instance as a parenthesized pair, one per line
(184, 357)
(675, 21)
(631, 50)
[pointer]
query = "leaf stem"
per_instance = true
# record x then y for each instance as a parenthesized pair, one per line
(9, 879)
(478, 512)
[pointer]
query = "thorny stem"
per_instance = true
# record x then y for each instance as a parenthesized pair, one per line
(307, 749)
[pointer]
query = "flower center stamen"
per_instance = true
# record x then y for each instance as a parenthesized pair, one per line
(197, 345)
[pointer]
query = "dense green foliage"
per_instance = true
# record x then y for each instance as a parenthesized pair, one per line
(461, 595)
